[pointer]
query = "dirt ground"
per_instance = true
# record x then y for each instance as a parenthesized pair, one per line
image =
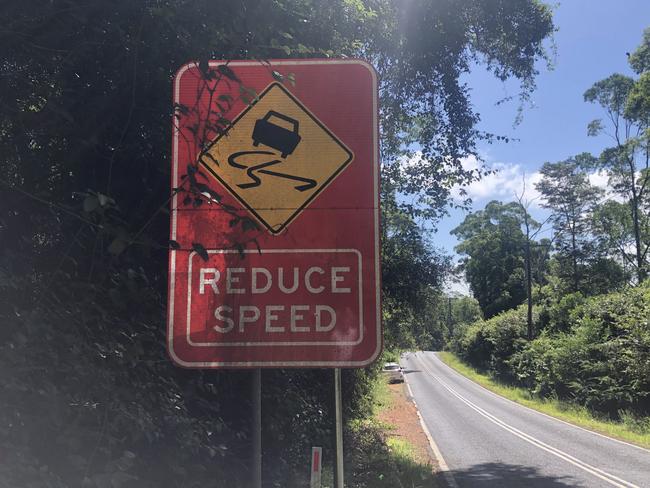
(402, 416)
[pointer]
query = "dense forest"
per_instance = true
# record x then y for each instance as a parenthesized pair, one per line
(567, 315)
(89, 396)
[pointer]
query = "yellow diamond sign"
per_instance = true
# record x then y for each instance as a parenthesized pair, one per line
(276, 158)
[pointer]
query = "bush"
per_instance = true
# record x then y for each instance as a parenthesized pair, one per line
(489, 344)
(594, 352)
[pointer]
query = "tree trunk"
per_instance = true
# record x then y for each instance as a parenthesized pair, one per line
(640, 267)
(574, 261)
(529, 291)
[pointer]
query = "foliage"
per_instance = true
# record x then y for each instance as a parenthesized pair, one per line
(412, 275)
(89, 396)
(489, 344)
(426, 112)
(625, 101)
(493, 243)
(570, 197)
(594, 352)
(630, 427)
(640, 58)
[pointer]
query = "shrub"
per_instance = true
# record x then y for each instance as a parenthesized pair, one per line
(594, 352)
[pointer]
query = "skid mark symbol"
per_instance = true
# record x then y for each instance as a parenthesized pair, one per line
(252, 171)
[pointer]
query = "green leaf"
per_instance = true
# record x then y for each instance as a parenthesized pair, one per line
(227, 72)
(200, 250)
(292, 78)
(174, 245)
(277, 75)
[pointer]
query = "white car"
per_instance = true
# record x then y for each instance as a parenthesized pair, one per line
(393, 372)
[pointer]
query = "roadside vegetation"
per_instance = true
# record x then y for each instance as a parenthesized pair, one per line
(629, 431)
(564, 322)
(593, 353)
(385, 457)
(89, 396)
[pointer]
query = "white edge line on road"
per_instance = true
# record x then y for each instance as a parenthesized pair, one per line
(537, 411)
(599, 473)
(442, 464)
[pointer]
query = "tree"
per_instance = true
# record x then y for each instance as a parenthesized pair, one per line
(571, 198)
(457, 312)
(494, 263)
(614, 231)
(627, 162)
(425, 105)
(84, 181)
(530, 228)
(412, 277)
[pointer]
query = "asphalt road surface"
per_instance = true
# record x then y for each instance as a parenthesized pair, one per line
(488, 441)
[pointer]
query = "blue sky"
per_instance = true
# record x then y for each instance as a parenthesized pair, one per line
(591, 42)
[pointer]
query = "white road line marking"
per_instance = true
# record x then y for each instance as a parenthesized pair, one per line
(605, 476)
(442, 464)
(604, 436)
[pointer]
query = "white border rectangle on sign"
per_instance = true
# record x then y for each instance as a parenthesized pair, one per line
(276, 251)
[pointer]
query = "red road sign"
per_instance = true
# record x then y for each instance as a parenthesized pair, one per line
(275, 215)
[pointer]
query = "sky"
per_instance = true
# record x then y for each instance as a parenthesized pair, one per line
(590, 44)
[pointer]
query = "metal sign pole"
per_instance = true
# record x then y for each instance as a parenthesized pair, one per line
(257, 429)
(339, 428)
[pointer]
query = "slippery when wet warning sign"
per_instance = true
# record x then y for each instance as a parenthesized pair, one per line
(276, 158)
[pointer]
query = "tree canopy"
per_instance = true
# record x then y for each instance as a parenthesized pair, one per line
(89, 395)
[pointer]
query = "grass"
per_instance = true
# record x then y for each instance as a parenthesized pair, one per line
(381, 395)
(574, 414)
(382, 460)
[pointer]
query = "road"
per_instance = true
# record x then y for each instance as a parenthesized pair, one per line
(488, 441)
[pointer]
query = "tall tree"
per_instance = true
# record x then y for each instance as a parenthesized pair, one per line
(627, 105)
(425, 104)
(493, 244)
(530, 228)
(614, 231)
(85, 89)
(571, 198)
(412, 276)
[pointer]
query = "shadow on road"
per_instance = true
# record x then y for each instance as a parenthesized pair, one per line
(408, 371)
(504, 475)
(374, 464)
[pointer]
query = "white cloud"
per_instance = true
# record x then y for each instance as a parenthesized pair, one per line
(506, 181)
(599, 179)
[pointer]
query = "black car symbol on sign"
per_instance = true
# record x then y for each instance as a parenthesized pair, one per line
(275, 136)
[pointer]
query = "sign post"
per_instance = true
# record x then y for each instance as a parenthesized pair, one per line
(257, 428)
(274, 259)
(338, 407)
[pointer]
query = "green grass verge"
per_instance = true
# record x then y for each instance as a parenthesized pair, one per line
(574, 414)
(382, 398)
(381, 459)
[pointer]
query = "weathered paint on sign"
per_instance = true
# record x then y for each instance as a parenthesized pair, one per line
(278, 265)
